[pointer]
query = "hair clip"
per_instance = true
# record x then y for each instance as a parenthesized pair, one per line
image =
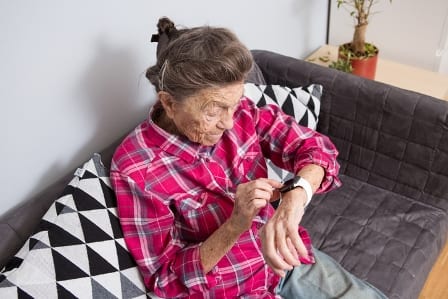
(162, 74)
(155, 38)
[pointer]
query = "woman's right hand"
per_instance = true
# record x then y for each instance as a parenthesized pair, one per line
(250, 197)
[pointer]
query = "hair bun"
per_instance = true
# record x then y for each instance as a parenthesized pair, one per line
(165, 25)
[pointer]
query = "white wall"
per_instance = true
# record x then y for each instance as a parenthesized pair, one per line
(406, 31)
(443, 51)
(71, 72)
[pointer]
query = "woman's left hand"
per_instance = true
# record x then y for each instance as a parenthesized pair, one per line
(280, 239)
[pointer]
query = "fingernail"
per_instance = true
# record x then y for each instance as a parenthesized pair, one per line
(306, 258)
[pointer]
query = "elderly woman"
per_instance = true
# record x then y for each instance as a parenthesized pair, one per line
(192, 187)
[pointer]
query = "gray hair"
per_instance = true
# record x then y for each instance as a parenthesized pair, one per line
(200, 58)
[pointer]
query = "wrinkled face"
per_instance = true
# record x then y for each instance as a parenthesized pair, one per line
(204, 116)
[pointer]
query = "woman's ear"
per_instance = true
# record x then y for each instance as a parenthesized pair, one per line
(168, 103)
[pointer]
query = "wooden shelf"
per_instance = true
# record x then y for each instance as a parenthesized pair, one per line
(393, 73)
(437, 282)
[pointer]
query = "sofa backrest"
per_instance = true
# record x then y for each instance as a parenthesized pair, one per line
(389, 137)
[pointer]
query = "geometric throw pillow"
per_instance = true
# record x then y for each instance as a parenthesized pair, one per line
(302, 103)
(78, 251)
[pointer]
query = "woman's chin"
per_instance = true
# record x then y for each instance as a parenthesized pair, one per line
(212, 139)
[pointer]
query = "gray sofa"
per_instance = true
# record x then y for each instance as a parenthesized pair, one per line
(388, 222)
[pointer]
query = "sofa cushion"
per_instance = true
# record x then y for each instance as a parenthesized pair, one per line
(255, 75)
(385, 238)
(302, 103)
(78, 249)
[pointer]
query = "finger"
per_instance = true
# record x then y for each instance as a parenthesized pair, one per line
(275, 261)
(298, 244)
(292, 249)
(272, 183)
(263, 194)
(290, 256)
(259, 203)
(266, 184)
(279, 272)
(270, 254)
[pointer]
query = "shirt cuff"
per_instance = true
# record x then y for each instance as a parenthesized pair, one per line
(330, 166)
(307, 242)
(188, 268)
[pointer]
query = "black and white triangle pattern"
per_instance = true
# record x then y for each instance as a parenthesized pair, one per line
(302, 103)
(78, 250)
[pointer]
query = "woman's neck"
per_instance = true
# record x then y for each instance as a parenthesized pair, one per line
(163, 121)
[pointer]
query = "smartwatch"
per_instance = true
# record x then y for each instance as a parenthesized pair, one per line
(295, 183)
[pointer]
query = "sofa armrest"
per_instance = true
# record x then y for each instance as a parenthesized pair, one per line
(389, 137)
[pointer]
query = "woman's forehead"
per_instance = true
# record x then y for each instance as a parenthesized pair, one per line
(228, 95)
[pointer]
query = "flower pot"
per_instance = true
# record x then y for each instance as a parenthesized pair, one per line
(363, 66)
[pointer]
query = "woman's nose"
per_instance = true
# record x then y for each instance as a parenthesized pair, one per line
(226, 121)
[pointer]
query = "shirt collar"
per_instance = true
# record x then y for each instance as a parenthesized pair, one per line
(179, 146)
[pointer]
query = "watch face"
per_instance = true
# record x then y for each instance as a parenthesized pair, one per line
(290, 184)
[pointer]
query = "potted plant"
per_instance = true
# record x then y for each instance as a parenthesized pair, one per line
(362, 55)
(344, 65)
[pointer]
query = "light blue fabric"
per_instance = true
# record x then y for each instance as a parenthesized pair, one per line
(324, 280)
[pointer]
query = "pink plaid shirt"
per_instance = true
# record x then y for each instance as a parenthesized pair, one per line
(172, 194)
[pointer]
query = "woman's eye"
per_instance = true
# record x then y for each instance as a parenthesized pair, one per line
(213, 110)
